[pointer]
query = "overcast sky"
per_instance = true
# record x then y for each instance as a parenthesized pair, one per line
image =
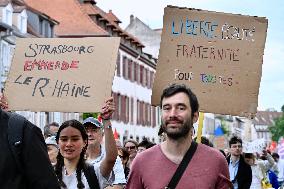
(271, 93)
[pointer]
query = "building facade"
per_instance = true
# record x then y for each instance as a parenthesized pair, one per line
(134, 116)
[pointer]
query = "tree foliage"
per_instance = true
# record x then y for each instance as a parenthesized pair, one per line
(224, 126)
(277, 129)
(86, 115)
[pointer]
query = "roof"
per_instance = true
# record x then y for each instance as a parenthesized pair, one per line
(266, 117)
(47, 17)
(111, 19)
(73, 20)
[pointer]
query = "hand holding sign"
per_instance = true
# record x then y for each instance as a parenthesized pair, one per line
(3, 102)
(108, 109)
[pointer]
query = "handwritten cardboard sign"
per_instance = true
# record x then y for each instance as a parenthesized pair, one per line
(254, 146)
(218, 55)
(61, 74)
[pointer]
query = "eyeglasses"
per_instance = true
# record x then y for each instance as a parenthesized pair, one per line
(130, 147)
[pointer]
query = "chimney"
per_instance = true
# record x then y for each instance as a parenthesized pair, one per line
(131, 18)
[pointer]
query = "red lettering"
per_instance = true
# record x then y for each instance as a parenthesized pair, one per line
(57, 65)
(50, 65)
(28, 66)
(65, 65)
(74, 64)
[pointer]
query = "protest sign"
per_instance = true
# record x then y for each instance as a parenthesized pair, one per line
(62, 74)
(255, 146)
(218, 55)
(220, 142)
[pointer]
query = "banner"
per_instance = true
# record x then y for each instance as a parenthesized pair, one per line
(62, 74)
(257, 145)
(218, 55)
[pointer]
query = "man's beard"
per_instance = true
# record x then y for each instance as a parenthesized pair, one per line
(182, 132)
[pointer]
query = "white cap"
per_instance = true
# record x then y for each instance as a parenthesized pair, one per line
(51, 141)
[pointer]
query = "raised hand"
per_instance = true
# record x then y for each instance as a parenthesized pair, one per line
(3, 102)
(108, 109)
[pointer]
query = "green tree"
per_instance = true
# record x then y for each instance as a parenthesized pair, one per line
(86, 115)
(224, 126)
(277, 129)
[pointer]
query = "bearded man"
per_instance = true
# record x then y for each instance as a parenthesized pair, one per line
(155, 167)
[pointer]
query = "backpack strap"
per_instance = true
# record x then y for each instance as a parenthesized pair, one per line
(15, 132)
(182, 166)
(91, 176)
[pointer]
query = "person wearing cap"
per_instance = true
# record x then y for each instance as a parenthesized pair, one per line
(50, 129)
(52, 149)
(96, 152)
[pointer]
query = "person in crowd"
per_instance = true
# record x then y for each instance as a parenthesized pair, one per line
(208, 167)
(259, 167)
(205, 141)
(71, 168)
(240, 171)
(280, 167)
(124, 156)
(161, 134)
(131, 146)
(96, 152)
(50, 129)
(52, 149)
(30, 168)
(222, 152)
(118, 143)
(227, 152)
(144, 145)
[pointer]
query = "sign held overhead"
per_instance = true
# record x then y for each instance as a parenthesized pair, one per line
(218, 55)
(61, 74)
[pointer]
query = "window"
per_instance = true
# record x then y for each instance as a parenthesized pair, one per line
(142, 114)
(41, 26)
(8, 16)
(23, 24)
(124, 67)
(138, 112)
(46, 29)
(135, 70)
(132, 109)
(127, 109)
(119, 107)
(153, 116)
(118, 64)
(115, 98)
(151, 79)
(130, 69)
(141, 75)
(146, 78)
(4, 59)
(123, 109)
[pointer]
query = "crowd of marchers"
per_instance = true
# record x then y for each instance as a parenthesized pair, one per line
(85, 155)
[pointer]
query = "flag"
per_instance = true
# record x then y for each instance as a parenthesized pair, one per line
(219, 131)
(115, 134)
